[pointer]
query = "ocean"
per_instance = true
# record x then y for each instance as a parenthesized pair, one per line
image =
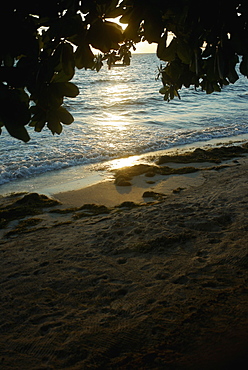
(120, 113)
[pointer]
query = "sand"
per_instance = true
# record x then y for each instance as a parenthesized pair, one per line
(158, 285)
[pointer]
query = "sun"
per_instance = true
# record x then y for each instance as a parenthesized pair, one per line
(143, 46)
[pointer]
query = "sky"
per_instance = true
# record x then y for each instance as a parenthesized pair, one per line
(144, 47)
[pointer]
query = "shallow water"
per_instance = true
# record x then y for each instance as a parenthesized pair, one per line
(119, 113)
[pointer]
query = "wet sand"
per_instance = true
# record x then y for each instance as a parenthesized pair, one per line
(159, 282)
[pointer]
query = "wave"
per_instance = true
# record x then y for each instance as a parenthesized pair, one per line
(142, 142)
(142, 122)
(110, 80)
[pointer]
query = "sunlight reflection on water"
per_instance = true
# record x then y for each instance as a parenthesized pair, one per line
(119, 113)
(114, 121)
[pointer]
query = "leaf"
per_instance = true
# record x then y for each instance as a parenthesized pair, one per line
(61, 76)
(23, 96)
(40, 125)
(67, 60)
(105, 36)
(210, 69)
(54, 98)
(54, 122)
(167, 53)
(166, 95)
(8, 60)
(232, 75)
(173, 92)
(220, 63)
(132, 32)
(133, 17)
(153, 26)
(61, 89)
(111, 9)
(114, 13)
(127, 16)
(64, 116)
(208, 51)
(39, 118)
(62, 63)
(13, 110)
(84, 58)
(163, 90)
(176, 93)
(18, 132)
(216, 87)
(66, 26)
(68, 89)
(114, 32)
(209, 87)
(14, 77)
(184, 52)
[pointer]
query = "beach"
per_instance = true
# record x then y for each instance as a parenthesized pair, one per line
(147, 270)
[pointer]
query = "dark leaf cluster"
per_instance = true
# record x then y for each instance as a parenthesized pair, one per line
(41, 44)
(44, 41)
(208, 43)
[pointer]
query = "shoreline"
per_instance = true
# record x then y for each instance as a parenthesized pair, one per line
(109, 194)
(144, 180)
(82, 176)
(151, 285)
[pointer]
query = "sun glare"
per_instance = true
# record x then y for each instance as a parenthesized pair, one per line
(124, 162)
(141, 47)
(116, 92)
(117, 20)
(114, 121)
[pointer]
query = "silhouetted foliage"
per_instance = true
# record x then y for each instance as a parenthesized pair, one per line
(42, 42)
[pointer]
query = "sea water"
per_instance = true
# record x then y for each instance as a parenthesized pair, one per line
(120, 113)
